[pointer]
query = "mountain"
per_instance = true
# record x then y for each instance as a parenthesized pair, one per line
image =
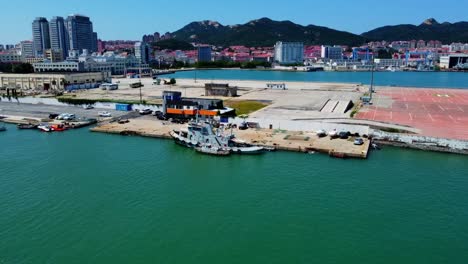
(263, 32)
(430, 29)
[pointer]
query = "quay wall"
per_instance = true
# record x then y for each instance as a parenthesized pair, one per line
(421, 142)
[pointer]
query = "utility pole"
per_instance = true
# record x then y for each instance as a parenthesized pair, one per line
(372, 80)
(141, 99)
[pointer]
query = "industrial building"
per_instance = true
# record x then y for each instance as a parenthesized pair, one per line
(332, 53)
(220, 89)
(53, 81)
(453, 60)
(176, 106)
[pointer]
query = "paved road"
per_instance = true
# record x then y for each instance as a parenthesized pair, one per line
(43, 111)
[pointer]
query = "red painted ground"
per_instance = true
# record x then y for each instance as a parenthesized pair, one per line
(436, 112)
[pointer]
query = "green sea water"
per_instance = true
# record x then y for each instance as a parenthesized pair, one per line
(81, 197)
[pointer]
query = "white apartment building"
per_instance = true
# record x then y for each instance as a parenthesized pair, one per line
(289, 52)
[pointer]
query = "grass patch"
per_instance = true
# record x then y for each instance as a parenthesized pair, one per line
(355, 110)
(245, 107)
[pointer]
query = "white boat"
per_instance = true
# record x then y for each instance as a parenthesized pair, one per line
(208, 149)
(247, 150)
(44, 128)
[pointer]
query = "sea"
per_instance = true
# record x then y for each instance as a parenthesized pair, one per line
(457, 80)
(83, 197)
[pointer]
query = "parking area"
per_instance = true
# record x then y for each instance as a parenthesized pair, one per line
(436, 112)
(43, 111)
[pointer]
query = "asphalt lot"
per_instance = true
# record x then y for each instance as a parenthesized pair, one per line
(43, 111)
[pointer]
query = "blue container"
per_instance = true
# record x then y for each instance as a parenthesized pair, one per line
(123, 107)
(224, 119)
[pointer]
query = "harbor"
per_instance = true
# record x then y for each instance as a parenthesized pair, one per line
(80, 188)
(276, 139)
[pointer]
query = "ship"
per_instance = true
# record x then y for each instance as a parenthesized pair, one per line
(204, 138)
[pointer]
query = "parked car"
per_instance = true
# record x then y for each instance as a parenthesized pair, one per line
(243, 126)
(88, 107)
(104, 114)
(146, 111)
(160, 116)
(53, 116)
(66, 116)
(343, 135)
(358, 141)
(69, 117)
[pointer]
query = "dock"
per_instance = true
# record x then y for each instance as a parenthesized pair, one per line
(305, 142)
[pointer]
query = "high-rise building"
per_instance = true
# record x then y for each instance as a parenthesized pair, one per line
(95, 42)
(289, 52)
(157, 36)
(41, 37)
(332, 53)
(27, 49)
(142, 52)
(58, 36)
(204, 53)
(80, 33)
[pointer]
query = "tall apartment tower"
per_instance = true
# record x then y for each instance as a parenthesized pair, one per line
(41, 37)
(80, 33)
(142, 52)
(289, 52)
(58, 36)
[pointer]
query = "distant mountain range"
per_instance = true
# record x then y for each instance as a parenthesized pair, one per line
(266, 32)
(428, 30)
(263, 32)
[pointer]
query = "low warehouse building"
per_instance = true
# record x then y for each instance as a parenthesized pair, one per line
(53, 81)
(220, 89)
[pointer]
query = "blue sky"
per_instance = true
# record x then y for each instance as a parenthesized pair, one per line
(116, 19)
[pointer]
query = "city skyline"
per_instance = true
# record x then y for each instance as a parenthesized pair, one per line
(117, 23)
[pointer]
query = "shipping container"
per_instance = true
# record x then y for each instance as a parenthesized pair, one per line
(123, 107)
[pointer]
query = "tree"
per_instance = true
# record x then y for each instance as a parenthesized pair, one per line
(22, 68)
(172, 81)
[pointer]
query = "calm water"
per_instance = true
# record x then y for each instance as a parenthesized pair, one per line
(80, 197)
(416, 79)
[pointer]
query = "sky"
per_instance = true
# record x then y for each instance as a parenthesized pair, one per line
(117, 19)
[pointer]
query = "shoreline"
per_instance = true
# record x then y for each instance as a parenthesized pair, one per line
(319, 82)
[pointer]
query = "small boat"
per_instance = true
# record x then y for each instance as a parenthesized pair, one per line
(248, 150)
(207, 149)
(3, 129)
(58, 128)
(44, 128)
(27, 126)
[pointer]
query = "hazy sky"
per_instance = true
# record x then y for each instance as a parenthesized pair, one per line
(116, 19)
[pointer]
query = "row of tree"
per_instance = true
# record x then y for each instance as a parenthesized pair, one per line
(16, 68)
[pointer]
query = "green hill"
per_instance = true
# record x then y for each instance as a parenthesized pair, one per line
(263, 32)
